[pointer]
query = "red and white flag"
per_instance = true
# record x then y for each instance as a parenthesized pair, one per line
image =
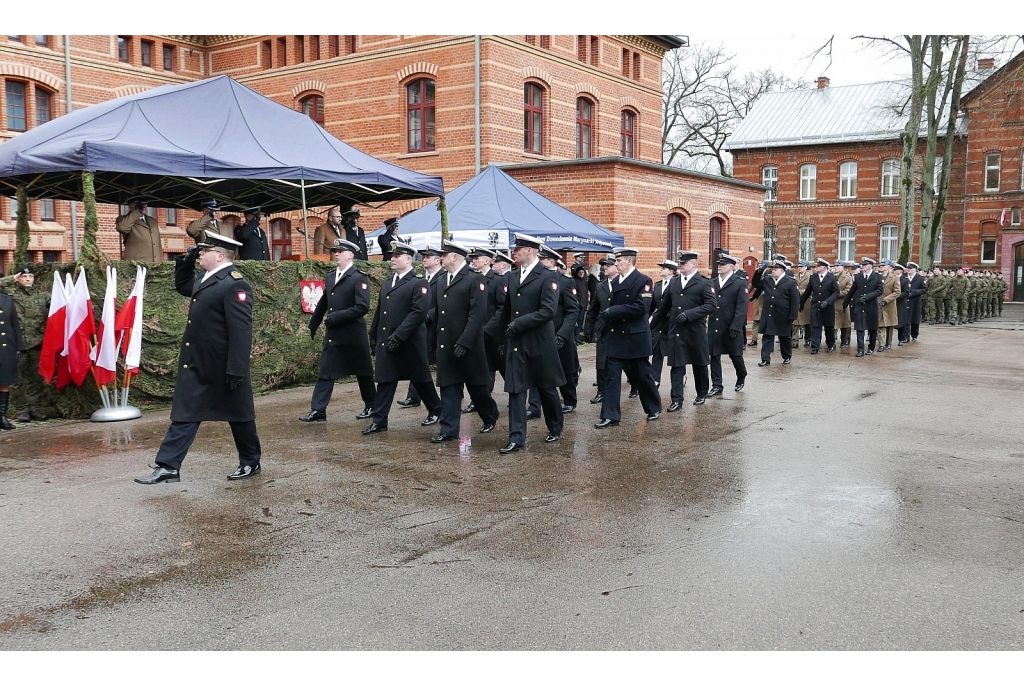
(81, 326)
(104, 354)
(56, 322)
(129, 323)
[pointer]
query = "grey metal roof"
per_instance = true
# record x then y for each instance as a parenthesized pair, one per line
(843, 114)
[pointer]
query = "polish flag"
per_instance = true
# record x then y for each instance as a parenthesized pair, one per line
(53, 338)
(129, 323)
(104, 354)
(81, 326)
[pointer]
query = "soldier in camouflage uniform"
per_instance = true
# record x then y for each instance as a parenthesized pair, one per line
(32, 306)
(1001, 288)
(971, 293)
(935, 309)
(991, 294)
(958, 298)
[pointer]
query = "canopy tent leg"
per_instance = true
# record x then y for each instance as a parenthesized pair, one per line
(305, 222)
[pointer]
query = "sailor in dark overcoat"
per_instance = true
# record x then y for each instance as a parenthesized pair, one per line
(212, 382)
(659, 335)
(346, 349)
(497, 289)
(565, 333)
(822, 290)
(461, 357)
(728, 323)
(354, 233)
(686, 306)
(863, 299)
(431, 270)
(531, 358)
(12, 346)
(918, 286)
(600, 298)
(902, 305)
(629, 339)
(398, 339)
(255, 244)
(779, 310)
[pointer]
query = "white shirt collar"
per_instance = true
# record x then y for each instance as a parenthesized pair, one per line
(525, 270)
(722, 279)
(626, 275)
(339, 272)
(215, 270)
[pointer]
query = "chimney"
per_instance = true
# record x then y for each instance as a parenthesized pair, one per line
(823, 82)
(986, 63)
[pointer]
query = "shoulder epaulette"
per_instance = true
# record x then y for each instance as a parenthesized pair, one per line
(236, 275)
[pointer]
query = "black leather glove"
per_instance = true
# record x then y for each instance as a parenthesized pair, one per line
(734, 333)
(603, 316)
(192, 254)
(801, 307)
(460, 351)
(862, 299)
(510, 331)
(312, 333)
(559, 342)
(823, 305)
(234, 382)
(682, 318)
(392, 344)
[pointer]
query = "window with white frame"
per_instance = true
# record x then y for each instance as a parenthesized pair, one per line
(847, 243)
(806, 243)
(888, 239)
(847, 180)
(1015, 216)
(993, 162)
(770, 178)
(808, 181)
(937, 257)
(938, 174)
(988, 251)
(890, 178)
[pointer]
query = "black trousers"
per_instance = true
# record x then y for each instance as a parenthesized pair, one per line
(657, 365)
(830, 336)
(768, 344)
(872, 339)
(181, 434)
(549, 401)
(324, 388)
(602, 379)
(903, 333)
(639, 372)
(451, 406)
(915, 330)
(386, 395)
(700, 381)
(716, 369)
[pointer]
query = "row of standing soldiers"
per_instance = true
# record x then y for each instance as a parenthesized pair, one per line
(958, 296)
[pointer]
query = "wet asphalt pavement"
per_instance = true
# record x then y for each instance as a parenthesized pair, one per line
(837, 503)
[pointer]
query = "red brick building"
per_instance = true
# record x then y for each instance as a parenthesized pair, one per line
(411, 100)
(833, 154)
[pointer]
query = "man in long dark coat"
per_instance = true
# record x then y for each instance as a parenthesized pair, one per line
(728, 323)
(398, 339)
(902, 306)
(822, 290)
(431, 270)
(346, 350)
(497, 289)
(659, 336)
(918, 287)
(565, 333)
(629, 340)
(212, 382)
(778, 312)
(354, 233)
(461, 356)
(863, 297)
(531, 358)
(255, 244)
(600, 298)
(686, 306)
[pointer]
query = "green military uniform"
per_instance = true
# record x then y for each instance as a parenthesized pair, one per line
(1002, 286)
(957, 299)
(33, 305)
(935, 309)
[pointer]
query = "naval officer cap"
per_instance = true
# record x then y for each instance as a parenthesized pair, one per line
(252, 211)
(897, 266)
(779, 264)
(822, 262)
(429, 251)
(779, 257)
(342, 245)
(867, 260)
(913, 265)
(218, 240)
(607, 261)
(138, 199)
(669, 264)
(727, 259)
(523, 240)
(789, 264)
(451, 246)
(351, 212)
(482, 252)
(402, 248)
(391, 222)
(560, 263)
(625, 252)
(502, 257)
(687, 255)
(547, 253)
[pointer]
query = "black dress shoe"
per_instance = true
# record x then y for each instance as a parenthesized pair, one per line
(842, 345)
(488, 427)
(244, 472)
(697, 401)
(870, 352)
(814, 351)
(739, 386)
(431, 420)
(531, 415)
(443, 438)
(764, 363)
(900, 344)
(788, 360)
(511, 447)
(408, 402)
(675, 406)
(715, 391)
(752, 343)
(469, 408)
(568, 408)
(605, 423)
(553, 437)
(161, 474)
(598, 399)
(654, 416)
(314, 415)
(375, 428)
(832, 349)
(634, 393)
(366, 413)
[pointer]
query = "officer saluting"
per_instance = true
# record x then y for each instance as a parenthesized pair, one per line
(207, 223)
(253, 238)
(346, 350)
(398, 339)
(213, 361)
(461, 357)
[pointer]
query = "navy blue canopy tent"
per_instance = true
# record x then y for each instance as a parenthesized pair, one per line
(488, 208)
(177, 145)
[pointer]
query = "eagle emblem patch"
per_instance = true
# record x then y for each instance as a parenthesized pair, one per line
(554, 286)
(505, 288)
(423, 290)
(574, 291)
(482, 287)
(363, 286)
(647, 287)
(242, 296)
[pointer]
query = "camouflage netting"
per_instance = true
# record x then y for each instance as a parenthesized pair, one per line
(282, 353)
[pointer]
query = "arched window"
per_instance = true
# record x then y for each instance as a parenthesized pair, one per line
(17, 120)
(533, 118)
(313, 107)
(420, 104)
(280, 239)
(715, 232)
(627, 147)
(676, 229)
(584, 127)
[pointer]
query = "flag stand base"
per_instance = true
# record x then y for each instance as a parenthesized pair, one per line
(107, 414)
